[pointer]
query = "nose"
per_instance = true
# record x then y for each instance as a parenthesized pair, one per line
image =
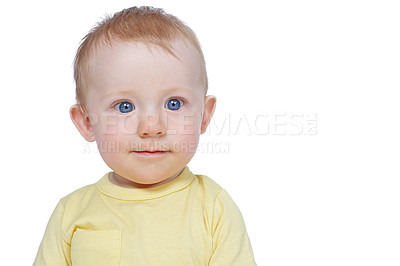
(151, 125)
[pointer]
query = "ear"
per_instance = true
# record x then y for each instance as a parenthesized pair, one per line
(82, 122)
(209, 107)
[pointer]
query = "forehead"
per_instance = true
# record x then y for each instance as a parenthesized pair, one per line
(125, 65)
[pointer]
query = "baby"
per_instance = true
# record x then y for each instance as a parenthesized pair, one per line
(141, 89)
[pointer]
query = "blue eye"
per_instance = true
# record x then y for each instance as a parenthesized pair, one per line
(124, 107)
(173, 104)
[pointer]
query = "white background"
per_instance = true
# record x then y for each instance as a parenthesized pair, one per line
(326, 198)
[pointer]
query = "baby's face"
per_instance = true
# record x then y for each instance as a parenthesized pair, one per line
(147, 109)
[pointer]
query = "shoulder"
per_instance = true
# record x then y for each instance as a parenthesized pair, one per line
(222, 207)
(207, 182)
(77, 203)
(220, 197)
(213, 193)
(80, 196)
(208, 186)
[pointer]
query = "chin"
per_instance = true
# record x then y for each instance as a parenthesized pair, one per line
(151, 176)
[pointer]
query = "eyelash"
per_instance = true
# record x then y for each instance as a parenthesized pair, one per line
(184, 102)
(113, 105)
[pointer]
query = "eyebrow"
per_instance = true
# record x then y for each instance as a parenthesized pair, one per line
(116, 93)
(130, 93)
(178, 89)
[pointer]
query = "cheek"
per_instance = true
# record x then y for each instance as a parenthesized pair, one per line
(187, 144)
(184, 132)
(112, 133)
(113, 126)
(187, 123)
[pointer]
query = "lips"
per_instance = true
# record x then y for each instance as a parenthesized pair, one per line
(150, 153)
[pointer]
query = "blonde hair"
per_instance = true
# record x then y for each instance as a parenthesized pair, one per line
(148, 25)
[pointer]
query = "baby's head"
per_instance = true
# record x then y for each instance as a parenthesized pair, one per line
(141, 87)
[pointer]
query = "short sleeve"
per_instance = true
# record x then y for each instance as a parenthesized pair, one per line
(231, 244)
(54, 250)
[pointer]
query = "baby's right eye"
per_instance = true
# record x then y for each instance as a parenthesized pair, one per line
(124, 107)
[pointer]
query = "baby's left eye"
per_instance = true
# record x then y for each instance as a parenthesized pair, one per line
(173, 104)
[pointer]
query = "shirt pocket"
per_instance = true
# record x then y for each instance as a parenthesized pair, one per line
(96, 248)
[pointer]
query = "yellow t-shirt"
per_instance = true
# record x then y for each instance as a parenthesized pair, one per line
(188, 221)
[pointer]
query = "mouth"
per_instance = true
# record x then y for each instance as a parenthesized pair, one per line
(150, 153)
